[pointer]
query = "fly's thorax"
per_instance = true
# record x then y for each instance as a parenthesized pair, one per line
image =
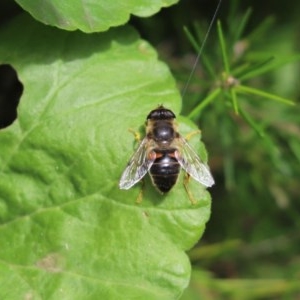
(163, 132)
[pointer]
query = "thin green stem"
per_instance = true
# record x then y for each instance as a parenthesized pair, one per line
(197, 110)
(252, 123)
(223, 48)
(196, 46)
(234, 100)
(191, 38)
(242, 24)
(249, 90)
(256, 69)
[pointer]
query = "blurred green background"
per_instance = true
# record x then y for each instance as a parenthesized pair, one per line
(250, 249)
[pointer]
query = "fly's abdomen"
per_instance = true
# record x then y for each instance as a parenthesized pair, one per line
(164, 171)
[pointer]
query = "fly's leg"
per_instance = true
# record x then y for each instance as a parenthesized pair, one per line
(185, 184)
(191, 134)
(139, 198)
(136, 134)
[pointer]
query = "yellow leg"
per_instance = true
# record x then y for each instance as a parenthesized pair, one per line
(185, 184)
(136, 134)
(191, 134)
(139, 198)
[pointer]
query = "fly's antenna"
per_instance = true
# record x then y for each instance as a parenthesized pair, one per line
(201, 48)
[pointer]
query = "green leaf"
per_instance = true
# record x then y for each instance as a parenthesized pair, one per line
(93, 15)
(67, 231)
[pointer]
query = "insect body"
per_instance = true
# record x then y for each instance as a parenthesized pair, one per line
(162, 153)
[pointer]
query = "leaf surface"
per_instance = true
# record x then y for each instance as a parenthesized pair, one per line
(67, 231)
(92, 15)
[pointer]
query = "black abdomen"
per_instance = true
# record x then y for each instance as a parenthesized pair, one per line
(165, 169)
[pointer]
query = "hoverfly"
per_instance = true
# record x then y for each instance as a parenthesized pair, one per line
(162, 153)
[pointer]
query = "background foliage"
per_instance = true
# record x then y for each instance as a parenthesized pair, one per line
(250, 249)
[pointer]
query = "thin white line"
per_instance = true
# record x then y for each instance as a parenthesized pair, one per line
(201, 49)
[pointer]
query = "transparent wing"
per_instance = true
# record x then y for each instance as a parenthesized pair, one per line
(192, 164)
(137, 167)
